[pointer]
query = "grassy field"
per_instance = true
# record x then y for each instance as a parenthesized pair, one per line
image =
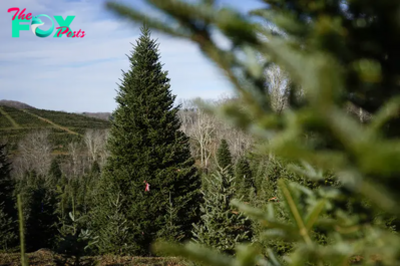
(45, 257)
(64, 127)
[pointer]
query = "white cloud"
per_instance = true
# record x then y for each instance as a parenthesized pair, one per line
(81, 74)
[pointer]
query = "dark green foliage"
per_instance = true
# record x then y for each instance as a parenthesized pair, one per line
(109, 222)
(224, 157)
(95, 169)
(8, 232)
(39, 201)
(267, 172)
(75, 197)
(8, 226)
(244, 180)
(146, 145)
(41, 225)
(172, 231)
(221, 226)
(75, 240)
(55, 170)
(7, 184)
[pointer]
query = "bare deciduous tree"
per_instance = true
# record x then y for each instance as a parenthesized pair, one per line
(206, 131)
(34, 153)
(200, 128)
(103, 152)
(278, 82)
(95, 141)
(74, 150)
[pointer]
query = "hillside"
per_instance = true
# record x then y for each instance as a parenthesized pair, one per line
(15, 123)
(15, 104)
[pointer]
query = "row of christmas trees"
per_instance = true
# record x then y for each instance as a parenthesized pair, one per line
(57, 210)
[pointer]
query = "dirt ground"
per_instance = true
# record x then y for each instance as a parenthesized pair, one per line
(46, 257)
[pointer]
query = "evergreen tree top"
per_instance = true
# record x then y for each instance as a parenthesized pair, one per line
(145, 31)
(224, 157)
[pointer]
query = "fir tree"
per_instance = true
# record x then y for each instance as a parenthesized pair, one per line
(110, 222)
(244, 179)
(55, 170)
(172, 231)
(221, 226)
(75, 241)
(146, 145)
(224, 157)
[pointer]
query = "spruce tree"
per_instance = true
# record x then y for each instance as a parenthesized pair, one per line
(221, 226)
(146, 145)
(224, 157)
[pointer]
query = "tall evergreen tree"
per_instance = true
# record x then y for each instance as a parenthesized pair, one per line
(224, 157)
(146, 145)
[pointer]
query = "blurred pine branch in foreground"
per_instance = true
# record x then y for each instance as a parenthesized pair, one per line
(335, 52)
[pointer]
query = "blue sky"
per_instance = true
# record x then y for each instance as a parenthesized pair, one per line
(81, 74)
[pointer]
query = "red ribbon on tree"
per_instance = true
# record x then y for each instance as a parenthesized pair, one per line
(147, 186)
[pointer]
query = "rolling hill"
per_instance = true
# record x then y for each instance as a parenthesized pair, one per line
(15, 104)
(17, 119)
